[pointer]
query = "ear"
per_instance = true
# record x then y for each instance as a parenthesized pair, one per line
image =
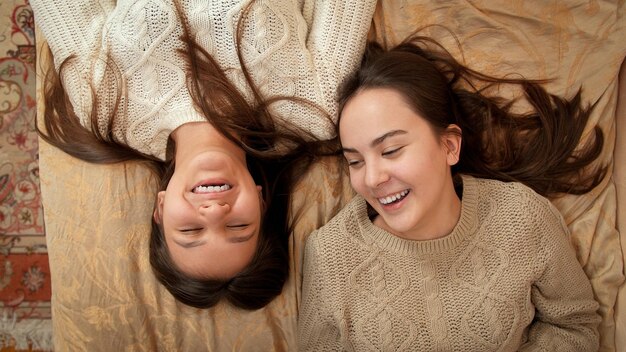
(261, 199)
(158, 209)
(451, 140)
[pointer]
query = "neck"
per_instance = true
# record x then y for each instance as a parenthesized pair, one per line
(445, 217)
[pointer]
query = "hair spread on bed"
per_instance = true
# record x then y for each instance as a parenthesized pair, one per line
(278, 155)
(540, 149)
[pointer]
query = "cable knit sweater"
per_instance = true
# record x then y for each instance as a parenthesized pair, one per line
(505, 279)
(300, 48)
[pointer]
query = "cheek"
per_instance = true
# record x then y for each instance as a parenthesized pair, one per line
(251, 203)
(356, 180)
(422, 161)
(416, 167)
(174, 216)
(176, 211)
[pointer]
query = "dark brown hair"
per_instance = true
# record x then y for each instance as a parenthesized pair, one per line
(248, 124)
(540, 148)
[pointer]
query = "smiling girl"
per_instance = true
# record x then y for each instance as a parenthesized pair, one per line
(449, 244)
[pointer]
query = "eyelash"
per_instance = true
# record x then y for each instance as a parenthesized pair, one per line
(194, 231)
(238, 227)
(354, 163)
(391, 152)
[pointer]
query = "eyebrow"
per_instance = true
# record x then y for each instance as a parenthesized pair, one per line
(234, 239)
(377, 140)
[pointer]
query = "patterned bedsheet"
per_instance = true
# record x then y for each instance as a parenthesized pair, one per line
(24, 273)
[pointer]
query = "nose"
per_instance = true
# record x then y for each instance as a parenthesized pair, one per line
(214, 210)
(375, 174)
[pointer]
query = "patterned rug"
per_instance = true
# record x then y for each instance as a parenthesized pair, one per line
(24, 272)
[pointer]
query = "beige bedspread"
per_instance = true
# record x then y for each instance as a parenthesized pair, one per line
(105, 298)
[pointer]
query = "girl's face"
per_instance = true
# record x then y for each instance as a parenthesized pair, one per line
(400, 165)
(211, 209)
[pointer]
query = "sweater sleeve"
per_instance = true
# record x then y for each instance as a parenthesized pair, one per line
(297, 48)
(74, 29)
(121, 47)
(336, 40)
(566, 318)
(316, 330)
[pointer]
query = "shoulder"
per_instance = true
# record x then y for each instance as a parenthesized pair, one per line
(330, 240)
(507, 193)
(347, 220)
(517, 201)
(496, 188)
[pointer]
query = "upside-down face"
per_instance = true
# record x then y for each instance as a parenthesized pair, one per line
(211, 208)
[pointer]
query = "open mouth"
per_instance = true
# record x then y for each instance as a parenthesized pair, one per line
(214, 188)
(394, 198)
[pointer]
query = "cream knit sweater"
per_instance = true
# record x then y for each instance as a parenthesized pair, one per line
(505, 279)
(301, 48)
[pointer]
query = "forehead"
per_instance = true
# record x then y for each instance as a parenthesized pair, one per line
(373, 112)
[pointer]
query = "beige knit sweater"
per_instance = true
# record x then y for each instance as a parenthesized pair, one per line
(300, 48)
(505, 279)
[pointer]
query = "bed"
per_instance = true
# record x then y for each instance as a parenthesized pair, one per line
(104, 295)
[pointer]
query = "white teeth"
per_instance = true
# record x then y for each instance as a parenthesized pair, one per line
(211, 189)
(393, 197)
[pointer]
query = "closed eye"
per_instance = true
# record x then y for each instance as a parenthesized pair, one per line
(238, 227)
(392, 152)
(189, 231)
(354, 163)
(352, 158)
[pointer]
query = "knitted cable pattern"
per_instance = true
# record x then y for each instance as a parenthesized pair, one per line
(300, 48)
(505, 279)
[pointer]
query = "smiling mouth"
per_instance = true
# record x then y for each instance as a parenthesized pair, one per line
(394, 198)
(212, 188)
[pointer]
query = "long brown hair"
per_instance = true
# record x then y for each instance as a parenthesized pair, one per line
(539, 148)
(277, 156)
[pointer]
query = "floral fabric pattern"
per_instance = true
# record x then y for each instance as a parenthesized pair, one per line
(24, 271)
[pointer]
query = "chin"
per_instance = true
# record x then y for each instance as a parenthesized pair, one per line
(394, 229)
